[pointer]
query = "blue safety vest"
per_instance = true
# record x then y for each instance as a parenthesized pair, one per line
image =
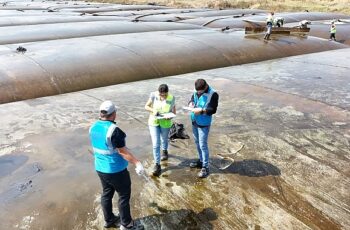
(202, 102)
(107, 159)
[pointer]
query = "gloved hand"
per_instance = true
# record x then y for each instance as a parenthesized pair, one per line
(139, 169)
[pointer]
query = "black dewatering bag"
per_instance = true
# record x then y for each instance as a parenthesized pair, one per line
(177, 131)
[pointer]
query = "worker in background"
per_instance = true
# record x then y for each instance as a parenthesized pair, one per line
(333, 30)
(278, 21)
(303, 24)
(269, 23)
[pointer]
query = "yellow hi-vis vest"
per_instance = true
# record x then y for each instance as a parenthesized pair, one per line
(333, 30)
(161, 107)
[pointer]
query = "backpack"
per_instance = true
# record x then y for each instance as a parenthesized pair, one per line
(177, 131)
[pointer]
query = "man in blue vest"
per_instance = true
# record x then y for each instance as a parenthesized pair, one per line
(111, 162)
(204, 102)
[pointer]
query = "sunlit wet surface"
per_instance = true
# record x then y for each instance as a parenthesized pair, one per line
(292, 115)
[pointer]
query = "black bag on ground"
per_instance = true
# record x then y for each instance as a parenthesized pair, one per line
(177, 131)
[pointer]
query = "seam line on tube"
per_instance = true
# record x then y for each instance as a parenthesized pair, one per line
(45, 70)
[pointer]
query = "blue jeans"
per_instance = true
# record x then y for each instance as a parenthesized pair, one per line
(269, 28)
(200, 136)
(159, 137)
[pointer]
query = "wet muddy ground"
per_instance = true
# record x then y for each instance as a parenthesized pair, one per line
(291, 114)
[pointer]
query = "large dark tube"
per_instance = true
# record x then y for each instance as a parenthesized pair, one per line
(42, 32)
(62, 66)
(50, 19)
(190, 15)
(117, 7)
(127, 13)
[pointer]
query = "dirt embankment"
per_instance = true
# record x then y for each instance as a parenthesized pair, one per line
(339, 6)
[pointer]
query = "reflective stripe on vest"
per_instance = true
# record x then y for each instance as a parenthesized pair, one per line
(202, 102)
(161, 107)
(107, 159)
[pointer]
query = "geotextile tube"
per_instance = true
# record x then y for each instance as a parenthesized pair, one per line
(127, 13)
(50, 19)
(190, 15)
(116, 7)
(42, 32)
(69, 65)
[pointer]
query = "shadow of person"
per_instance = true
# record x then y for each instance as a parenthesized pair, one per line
(251, 168)
(179, 219)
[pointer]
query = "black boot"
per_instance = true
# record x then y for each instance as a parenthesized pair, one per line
(203, 173)
(114, 223)
(164, 156)
(156, 170)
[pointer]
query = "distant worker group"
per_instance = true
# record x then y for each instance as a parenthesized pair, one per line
(279, 21)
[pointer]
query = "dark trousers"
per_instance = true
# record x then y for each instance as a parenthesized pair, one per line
(332, 36)
(121, 183)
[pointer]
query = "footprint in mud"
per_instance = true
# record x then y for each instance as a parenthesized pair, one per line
(169, 185)
(26, 185)
(247, 210)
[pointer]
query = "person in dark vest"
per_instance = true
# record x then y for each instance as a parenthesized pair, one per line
(111, 162)
(160, 102)
(204, 102)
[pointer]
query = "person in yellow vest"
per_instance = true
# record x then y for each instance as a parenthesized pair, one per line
(269, 23)
(160, 102)
(333, 30)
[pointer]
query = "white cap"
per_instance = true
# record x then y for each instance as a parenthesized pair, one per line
(108, 106)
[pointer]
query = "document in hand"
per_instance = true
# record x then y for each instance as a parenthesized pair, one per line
(166, 116)
(187, 108)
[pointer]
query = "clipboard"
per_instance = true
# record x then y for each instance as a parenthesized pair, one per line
(166, 116)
